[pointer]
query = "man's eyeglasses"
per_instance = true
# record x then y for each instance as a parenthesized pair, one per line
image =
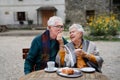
(59, 26)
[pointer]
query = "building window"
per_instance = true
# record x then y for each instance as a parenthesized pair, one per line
(116, 1)
(90, 15)
(116, 5)
(20, 0)
(21, 16)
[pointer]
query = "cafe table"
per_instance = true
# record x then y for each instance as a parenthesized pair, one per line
(42, 75)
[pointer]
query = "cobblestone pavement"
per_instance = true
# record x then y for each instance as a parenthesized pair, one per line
(11, 62)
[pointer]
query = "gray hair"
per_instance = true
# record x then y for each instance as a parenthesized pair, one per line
(78, 27)
(52, 20)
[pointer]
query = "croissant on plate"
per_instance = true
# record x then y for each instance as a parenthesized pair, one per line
(68, 71)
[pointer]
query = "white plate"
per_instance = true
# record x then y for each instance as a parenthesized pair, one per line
(77, 73)
(87, 69)
(50, 70)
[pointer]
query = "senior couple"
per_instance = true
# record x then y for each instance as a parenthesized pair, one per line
(51, 46)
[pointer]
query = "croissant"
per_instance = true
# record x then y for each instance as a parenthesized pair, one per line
(68, 71)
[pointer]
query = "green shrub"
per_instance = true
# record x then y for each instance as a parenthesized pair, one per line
(104, 25)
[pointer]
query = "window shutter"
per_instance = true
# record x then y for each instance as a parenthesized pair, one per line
(15, 16)
(26, 16)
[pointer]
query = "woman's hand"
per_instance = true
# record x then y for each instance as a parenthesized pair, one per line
(80, 52)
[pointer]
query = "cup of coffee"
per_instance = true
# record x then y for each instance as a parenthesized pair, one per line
(50, 65)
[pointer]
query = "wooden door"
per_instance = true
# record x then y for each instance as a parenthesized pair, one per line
(46, 14)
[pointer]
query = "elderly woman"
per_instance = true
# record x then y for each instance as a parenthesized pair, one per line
(79, 52)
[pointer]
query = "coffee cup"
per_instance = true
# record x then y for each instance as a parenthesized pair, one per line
(50, 65)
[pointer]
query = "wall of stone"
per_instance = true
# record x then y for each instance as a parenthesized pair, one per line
(76, 9)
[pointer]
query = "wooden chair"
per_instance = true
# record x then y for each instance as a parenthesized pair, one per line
(24, 56)
(25, 52)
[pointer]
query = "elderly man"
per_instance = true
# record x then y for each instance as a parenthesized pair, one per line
(79, 52)
(45, 47)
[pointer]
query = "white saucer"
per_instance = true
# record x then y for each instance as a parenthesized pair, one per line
(51, 70)
(88, 69)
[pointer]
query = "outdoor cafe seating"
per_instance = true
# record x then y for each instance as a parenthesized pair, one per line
(56, 74)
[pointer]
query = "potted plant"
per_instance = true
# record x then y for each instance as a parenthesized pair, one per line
(30, 22)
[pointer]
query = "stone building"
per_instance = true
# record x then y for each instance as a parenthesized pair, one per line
(79, 11)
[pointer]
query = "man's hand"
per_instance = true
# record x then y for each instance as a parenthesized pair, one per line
(59, 39)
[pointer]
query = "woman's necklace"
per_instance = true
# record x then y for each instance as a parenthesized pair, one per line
(78, 46)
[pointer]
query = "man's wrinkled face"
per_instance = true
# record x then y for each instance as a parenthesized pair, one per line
(58, 28)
